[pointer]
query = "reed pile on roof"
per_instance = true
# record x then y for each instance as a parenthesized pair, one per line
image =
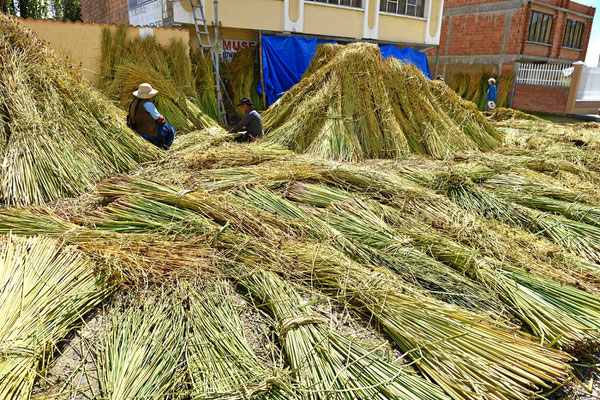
(126, 63)
(355, 105)
(58, 136)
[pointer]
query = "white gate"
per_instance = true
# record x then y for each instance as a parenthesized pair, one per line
(545, 74)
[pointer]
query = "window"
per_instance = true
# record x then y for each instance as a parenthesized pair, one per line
(414, 8)
(573, 34)
(540, 27)
(348, 3)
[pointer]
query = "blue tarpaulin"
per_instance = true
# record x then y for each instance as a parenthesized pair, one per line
(286, 58)
(408, 55)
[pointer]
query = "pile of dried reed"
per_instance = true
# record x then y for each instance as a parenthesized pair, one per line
(58, 136)
(356, 106)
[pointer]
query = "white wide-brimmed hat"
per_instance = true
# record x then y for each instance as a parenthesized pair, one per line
(145, 91)
(492, 80)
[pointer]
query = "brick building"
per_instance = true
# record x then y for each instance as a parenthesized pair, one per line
(118, 12)
(488, 37)
(106, 12)
(497, 33)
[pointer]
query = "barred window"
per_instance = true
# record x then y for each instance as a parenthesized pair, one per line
(414, 8)
(347, 3)
(573, 34)
(540, 27)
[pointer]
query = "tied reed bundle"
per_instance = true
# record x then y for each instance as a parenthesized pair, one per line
(46, 290)
(142, 351)
(327, 364)
(221, 362)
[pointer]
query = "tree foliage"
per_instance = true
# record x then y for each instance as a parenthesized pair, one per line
(67, 10)
(59, 9)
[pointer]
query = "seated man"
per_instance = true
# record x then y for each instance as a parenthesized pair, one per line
(251, 123)
(145, 119)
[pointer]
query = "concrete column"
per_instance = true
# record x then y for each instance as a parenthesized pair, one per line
(293, 15)
(575, 80)
(371, 19)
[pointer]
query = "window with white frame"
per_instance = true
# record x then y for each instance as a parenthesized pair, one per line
(413, 8)
(347, 3)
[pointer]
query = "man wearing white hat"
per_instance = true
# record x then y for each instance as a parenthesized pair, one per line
(492, 95)
(145, 119)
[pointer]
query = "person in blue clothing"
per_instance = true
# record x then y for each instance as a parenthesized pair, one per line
(492, 95)
(145, 119)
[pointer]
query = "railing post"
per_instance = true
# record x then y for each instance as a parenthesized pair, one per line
(574, 88)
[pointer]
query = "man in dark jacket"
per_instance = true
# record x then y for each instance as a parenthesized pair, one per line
(251, 122)
(145, 119)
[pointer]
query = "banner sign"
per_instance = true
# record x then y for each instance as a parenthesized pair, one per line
(230, 47)
(146, 12)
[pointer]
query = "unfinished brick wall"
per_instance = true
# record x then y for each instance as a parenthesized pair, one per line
(105, 11)
(493, 34)
(542, 99)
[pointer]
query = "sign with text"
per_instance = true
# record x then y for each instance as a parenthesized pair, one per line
(146, 12)
(230, 47)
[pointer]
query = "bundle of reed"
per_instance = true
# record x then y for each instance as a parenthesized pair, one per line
(550, 316)
(140, 257)
(501, 114)
(323, 55)
(232, 154)
(221, 363)
(521, 184)
(521, 242)
(199, 141)
(244, 73)
(581, 238)
(468, 355)
(140, 214)
(361, 106)
(325, 363)
(46, 290)
(128, 63)
(141, 353)
(204, 76)
(572, 210)
(372, 241)
(224, 210)
(60, 135)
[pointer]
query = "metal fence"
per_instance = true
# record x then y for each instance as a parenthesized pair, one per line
(589, 85)
(545, 74)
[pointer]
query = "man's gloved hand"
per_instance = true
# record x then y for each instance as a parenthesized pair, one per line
(161, 120)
